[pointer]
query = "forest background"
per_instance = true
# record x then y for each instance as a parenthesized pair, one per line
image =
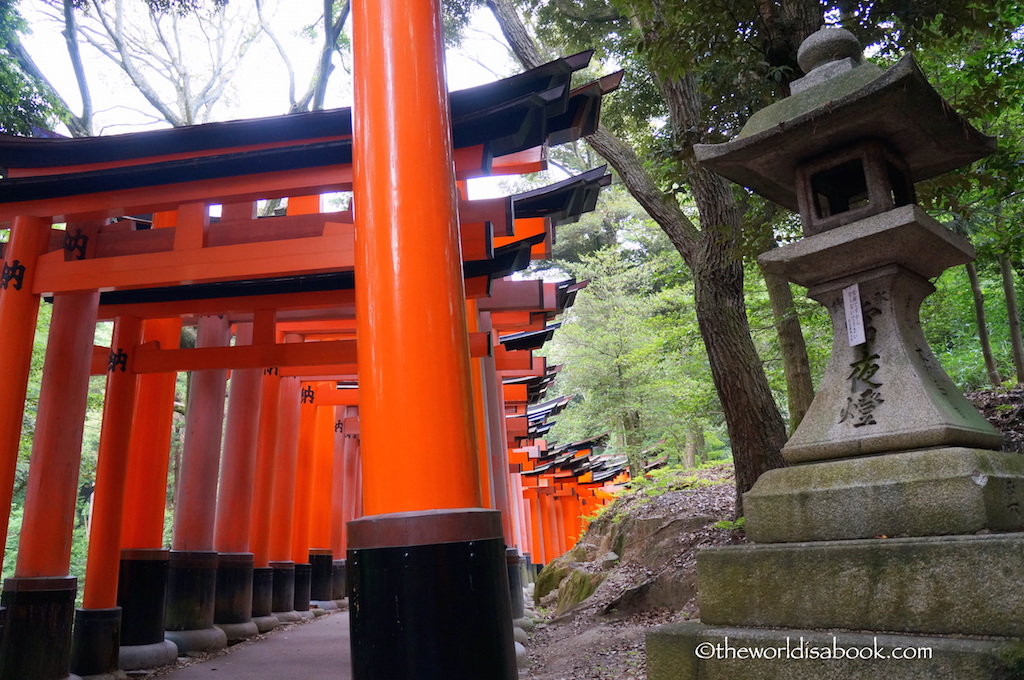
(680, 349)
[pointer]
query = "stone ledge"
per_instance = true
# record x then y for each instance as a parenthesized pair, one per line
(967, 585)
(672, 654)
(934, 492)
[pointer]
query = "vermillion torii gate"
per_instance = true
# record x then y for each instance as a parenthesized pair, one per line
(261, 273)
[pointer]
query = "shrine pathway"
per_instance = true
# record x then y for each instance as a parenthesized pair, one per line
(318, 650)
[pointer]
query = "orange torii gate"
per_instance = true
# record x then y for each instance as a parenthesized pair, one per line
(260, 273)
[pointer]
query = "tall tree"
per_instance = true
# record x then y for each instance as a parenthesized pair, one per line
(25, 103)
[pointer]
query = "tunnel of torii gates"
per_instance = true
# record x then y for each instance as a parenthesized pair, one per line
(384, 404)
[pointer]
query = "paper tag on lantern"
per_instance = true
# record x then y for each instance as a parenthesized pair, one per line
(854, 315)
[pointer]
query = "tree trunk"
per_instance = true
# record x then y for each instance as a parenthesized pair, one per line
(1013, 314)
(979, 313)
(799, 389)
(756, 428)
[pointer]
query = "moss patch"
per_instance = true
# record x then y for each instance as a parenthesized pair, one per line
(578, 587)
(548, 579)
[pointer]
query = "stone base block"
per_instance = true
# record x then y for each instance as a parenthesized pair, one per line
(202, 640)
(932, 492)
(139, 657)
(306, 615)
(695, 651)
(287, 617)
(266, 623)
(956, 585)
(325, 605)
(236, 632)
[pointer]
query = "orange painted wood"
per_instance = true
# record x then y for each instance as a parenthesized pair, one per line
(521, 162)
(196, 494)
(330, 252)
(515, 393)
(169, 196)
(303, 503)
(347, 397)
(142, 525)
(151, 359)
(338, 530)
(103, 560)
(238, 468)
(285, 467)
(511, 295)
(403, 171)
(193, 226)
(506, 360)
(19, 309)
(266, 463)
(322, 487)
(498, 211)
(49, 511)
(537, 368)
(304, 205)
(469, 162)
(479, 412)
(353, 500)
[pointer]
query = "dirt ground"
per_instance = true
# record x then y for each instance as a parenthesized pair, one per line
(602, 638)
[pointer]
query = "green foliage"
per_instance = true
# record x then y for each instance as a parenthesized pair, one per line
(630, 346)
(662, 480)
(730, 525)
(24, 104)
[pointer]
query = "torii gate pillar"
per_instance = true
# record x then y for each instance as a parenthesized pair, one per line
(427, 582)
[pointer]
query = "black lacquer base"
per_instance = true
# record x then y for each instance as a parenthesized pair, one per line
(262, 591)
(234, 588)
(191, 590)
(96, 641)
(303, 576)
(431, 611)
(321, 583)
(141, 591)
(338, 581)
(37, 638)
(284, 586)
(515, 581)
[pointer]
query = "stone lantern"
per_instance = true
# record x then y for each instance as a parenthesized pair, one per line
(898, 512)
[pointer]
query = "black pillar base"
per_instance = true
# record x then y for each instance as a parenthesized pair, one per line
(96, 641)
(262, 591)
(37, 638)
(191, 601)
(283, 603)
(515, 581)
(429, 596)
(191, 590)
(234, 588)
(320, 585)
(303, 577)
(338, 587)
(141, 591)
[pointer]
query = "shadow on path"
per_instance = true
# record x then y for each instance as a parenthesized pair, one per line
(311, 651)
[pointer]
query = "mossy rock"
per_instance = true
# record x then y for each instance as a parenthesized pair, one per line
(548, 579)
(578, 587)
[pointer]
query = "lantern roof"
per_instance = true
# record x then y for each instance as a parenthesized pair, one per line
(841, 102)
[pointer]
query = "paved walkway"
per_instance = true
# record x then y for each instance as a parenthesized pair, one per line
(318, 650)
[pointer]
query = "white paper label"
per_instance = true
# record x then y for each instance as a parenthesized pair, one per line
(854, 316)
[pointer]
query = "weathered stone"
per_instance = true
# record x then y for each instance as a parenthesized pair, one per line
(609, 560)
(898, 236)
(519, 635)
(674, 651)
(578, 587)
(889, 393)
(966, 585)
(930, 492)
(548, 580)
